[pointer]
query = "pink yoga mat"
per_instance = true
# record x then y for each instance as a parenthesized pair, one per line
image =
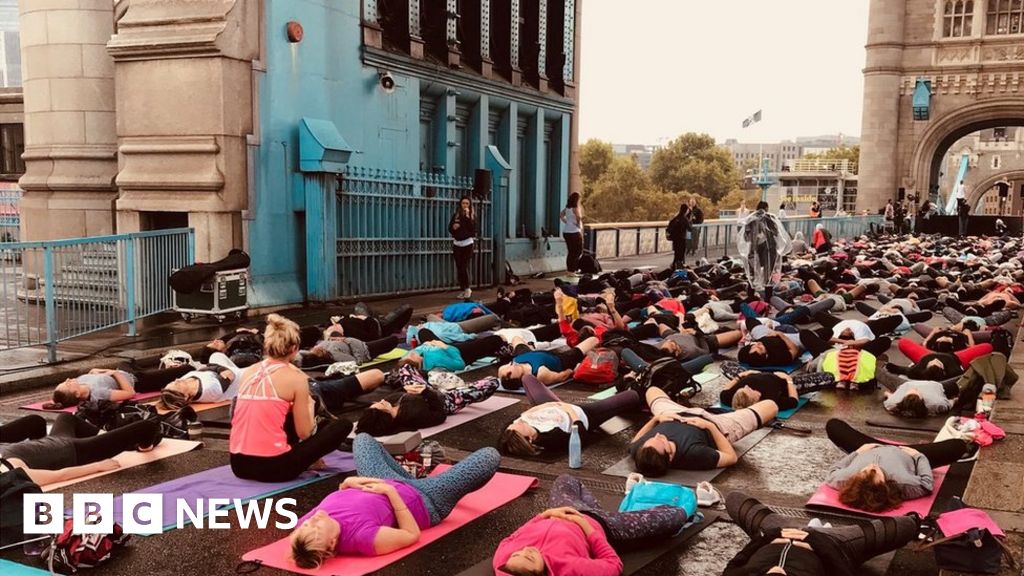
(502, 489)
(960, 521)
(38, 406)
(828, 497)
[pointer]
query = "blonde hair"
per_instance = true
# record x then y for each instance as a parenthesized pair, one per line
(743, 398)
(304, 555)
(281, 336)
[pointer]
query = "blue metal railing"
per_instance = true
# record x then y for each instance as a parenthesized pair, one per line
(10, 215)
(715, 238)
(393, 232)
(51, 291)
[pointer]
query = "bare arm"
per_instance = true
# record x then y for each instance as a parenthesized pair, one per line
(726, 453)
(302, 409)
(547, 377)
(408, 532)
(647, 428)
(45, 477)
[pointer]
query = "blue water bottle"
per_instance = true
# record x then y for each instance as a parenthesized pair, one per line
(575, 448)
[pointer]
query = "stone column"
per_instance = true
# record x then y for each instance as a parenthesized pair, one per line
(70, 137)
(572, 80)
(184, 74)
(880, 127)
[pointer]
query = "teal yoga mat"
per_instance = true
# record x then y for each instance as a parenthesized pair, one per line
(784, 415)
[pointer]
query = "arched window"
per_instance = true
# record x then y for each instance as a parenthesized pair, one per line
(957, 18)
(1005, 17)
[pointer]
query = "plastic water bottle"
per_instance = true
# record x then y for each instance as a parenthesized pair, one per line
(986, 400)
(575, 448)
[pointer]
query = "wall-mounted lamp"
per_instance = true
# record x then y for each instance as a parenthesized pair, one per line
(387, 81)
(295, 32)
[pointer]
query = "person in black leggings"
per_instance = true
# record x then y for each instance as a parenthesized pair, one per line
(820, 341)
(470, 351)
(72, 447)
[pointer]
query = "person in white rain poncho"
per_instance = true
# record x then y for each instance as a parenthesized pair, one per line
(762, 243)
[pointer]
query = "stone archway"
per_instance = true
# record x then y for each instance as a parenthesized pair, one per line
(979, 191)
(955, 124)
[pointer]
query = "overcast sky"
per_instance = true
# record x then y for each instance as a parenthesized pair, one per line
(653, 69)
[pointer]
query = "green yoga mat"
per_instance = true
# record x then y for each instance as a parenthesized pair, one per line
(395, 354)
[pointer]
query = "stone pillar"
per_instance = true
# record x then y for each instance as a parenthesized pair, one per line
(70, 138)
(184, 69)
(572, 80)
(880, 127)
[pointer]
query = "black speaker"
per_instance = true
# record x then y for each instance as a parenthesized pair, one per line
(482, 184)
(902, 194)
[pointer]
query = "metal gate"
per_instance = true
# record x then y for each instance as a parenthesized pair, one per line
(393, 233)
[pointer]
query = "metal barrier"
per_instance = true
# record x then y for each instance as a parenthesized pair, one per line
(10, 215)
(54, 290)
(715, 238)
(393, 232)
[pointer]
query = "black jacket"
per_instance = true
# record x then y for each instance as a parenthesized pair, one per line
(418, 411)
(825, 548)
(467, 227)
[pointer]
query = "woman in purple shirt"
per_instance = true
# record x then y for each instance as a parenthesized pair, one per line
(384, 508)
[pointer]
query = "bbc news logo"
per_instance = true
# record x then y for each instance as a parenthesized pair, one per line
(145, 513)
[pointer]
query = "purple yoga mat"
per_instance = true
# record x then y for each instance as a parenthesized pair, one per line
(220, 482)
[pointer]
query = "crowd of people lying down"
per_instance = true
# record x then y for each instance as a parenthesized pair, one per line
(946, 300)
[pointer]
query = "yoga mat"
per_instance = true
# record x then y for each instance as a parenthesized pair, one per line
(638, 555)
(828, 498)
(784, 415)
(202, 406)
(887, 420)
(603, 394)
(522, 391)
(614, 425)
(220, 482)
(167, 448)
(788, 368)
(8, 568)
(691, 478)
(394, 354)
(705, 377)
(501, 490)
(481, 363)
(702, 378)
(471, 412)
(38, 406)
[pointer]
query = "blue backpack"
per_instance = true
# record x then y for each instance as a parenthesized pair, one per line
(647, 495)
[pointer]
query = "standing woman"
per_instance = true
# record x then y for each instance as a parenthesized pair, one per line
(678, 232)
(572, 231)
(463, 229)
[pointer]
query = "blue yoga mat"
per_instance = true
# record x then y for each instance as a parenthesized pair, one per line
(784, 415)
(8, 568)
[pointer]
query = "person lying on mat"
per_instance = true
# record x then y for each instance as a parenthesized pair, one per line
(749, 387)
(262, 446)
(244, 346)
(875, 476)
(548, 424)
(549, 366)
(575, 535)
(692, 438)
(336, 347)
(108, 384)
(920, 398)
(960, 343)
(73, 448)
(837, 333)
(770, 344)
(334, 392)
(366, 325)
(784, 545)
(421, 404)
(383, 508)
(433, 353)
(217, 382)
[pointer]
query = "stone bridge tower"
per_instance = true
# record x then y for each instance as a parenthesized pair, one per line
(936, 71)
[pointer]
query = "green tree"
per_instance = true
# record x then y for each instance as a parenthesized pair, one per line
(694, 163)
(595, 158)
(618, 196)
(732, 200)
(851, 153)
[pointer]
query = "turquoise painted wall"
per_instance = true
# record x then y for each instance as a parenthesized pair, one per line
(324, 77)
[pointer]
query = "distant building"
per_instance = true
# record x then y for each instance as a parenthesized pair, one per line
(642, 152)
(747, 155)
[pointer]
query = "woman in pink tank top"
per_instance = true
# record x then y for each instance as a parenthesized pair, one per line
(266, 446)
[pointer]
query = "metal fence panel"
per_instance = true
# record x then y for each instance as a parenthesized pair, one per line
(52, 291)
(393, 233)
(10, 215)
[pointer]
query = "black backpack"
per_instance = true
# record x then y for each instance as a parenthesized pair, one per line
(14, 485)
(589, 264)
(1002, 341)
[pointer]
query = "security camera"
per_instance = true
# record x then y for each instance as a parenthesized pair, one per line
(387, 82)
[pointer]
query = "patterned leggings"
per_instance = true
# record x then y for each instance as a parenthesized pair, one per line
(441, 492)
(805, 382)
(458, 398)
(620, 526)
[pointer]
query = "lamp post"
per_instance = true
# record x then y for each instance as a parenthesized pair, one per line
(764, 181)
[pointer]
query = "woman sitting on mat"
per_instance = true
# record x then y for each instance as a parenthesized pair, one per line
(264, 446)
(549, 366)
(73, 448)
(217, 382)
(420, 404)
(876, 476)
(383, 509)
(113, 385)
(784, 545)
(575, 535)
(547, 425)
